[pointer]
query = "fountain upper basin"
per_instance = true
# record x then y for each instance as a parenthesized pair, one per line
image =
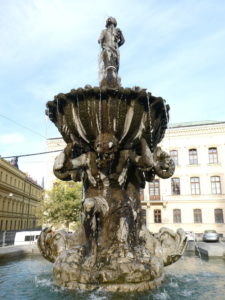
(83, 114)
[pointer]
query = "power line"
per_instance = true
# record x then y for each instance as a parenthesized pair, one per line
(31, 154)
(27, 128)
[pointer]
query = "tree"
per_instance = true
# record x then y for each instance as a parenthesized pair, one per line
(61, 205)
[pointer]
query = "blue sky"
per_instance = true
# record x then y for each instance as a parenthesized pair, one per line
(174, 48)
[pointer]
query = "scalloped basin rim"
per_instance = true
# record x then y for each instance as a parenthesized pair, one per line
(83, 114)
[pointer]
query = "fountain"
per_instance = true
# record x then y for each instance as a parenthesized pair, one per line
(112, 135)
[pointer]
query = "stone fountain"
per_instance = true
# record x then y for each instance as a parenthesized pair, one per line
(112, 135)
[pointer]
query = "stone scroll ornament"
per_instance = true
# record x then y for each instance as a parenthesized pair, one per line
(112, 135)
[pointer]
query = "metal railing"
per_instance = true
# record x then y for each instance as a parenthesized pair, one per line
(7, 238)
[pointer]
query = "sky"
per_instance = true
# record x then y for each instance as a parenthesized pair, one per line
(173, 48)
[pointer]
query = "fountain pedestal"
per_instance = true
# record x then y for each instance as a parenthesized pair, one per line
(112, 136)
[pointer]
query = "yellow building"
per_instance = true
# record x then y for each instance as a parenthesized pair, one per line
(19, 198)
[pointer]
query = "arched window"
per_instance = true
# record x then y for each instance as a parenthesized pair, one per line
(215, 184)
(193, 156)
(197, 215)
(218, 215)
(176, 216)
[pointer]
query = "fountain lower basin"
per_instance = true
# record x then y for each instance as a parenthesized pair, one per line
(31, 278)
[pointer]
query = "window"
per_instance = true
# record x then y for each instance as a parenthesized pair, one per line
(4, 205)
(154, 189)
(174, 156)
(213, 158)
(193, 157)
(142, 194)
(143, 215)
(176, 216)
(195, 186)
(215, 185)
(29, 238)
(175, 186)
(218, 215)
(1, 225)
(197, 216)
(157, 216)
(8, 206)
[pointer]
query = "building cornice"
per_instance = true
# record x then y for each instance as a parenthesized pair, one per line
(10, 168)
(10, 189)
(193, 130)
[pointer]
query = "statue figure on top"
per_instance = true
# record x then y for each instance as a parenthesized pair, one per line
(110, 40)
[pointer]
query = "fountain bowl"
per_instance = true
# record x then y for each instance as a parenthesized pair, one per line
(83, 114)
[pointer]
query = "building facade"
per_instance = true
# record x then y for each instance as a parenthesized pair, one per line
(194, 198)
(19, 198)
(54, 145)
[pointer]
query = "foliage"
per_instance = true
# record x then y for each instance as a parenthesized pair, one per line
(62, 204)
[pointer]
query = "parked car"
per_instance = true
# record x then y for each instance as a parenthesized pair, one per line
(190, 235)
(211, 236)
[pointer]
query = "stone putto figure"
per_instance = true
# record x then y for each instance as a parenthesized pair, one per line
(110, 40)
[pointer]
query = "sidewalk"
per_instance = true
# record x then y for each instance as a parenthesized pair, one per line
(207, 249)
(212, 249)
(18, 251)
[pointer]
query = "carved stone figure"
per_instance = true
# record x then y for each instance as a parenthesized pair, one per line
(110, 40)
(14, 162)
(112, 136)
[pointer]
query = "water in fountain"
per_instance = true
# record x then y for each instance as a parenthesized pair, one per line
(31, 279)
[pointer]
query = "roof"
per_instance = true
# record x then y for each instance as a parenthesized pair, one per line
(196, 123)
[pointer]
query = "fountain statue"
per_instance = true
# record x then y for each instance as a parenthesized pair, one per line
(112, 135)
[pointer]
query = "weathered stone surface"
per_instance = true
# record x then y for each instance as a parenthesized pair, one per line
(112, 135)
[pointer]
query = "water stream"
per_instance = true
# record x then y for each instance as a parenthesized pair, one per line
(31, 278)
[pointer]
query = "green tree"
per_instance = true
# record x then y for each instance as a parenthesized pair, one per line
(61, 205)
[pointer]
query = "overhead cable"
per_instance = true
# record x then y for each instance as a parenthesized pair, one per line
(31, 154)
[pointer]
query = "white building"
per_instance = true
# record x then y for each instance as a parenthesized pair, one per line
(54, 145)
(194, 198)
